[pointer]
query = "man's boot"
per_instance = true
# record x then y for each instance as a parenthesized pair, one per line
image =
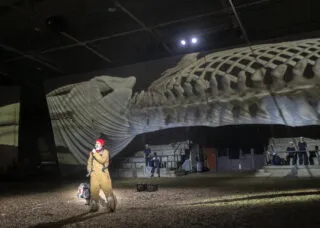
(112, 203)
(94, 206)
(102, 202)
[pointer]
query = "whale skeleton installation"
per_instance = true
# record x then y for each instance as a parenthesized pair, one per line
(230, 87)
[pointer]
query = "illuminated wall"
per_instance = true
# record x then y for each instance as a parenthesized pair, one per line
(9, 126)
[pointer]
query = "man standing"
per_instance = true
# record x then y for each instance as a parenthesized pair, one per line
(97, 167)
(291, 154)
(155, 164)
(313, 155)
(303, 157)
(147, 153)
(316, 152)
(147, 157)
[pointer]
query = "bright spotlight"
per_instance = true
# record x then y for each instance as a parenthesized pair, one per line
(194, 40)
(183, 42)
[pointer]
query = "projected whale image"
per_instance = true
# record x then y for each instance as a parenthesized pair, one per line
(273, 84)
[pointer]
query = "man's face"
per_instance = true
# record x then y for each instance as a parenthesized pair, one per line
(291, 144)
(98, 146)
(301, 139)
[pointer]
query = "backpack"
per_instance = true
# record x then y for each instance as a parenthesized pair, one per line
(83, 191)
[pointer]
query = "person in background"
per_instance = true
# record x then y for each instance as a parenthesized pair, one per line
(291, 154)
(313, 154)
(181, 157)
(316, 151)
(270, 155)
(155, 164)
(303, 156)
(147, 154)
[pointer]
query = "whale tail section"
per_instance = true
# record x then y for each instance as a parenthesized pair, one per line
(82, 112)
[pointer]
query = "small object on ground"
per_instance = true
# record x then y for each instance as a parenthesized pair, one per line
(84, 191)
(147, 187)
(141, 187)
(152, 187)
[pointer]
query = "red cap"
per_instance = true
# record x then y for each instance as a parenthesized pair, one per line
(101, 141)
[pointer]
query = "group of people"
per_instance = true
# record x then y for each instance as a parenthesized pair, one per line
(295, 153)
(152, 162)
(304, 154)
(98, 163)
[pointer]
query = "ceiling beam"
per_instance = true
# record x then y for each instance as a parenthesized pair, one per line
(66, 35)
(143, 26)
(232, 17)
(212, 13)
(79, 43)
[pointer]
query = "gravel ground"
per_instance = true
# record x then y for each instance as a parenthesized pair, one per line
(189, 201)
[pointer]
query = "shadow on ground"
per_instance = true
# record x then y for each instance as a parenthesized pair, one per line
(75, 219)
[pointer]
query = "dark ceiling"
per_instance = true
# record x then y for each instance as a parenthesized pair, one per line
(53, 38)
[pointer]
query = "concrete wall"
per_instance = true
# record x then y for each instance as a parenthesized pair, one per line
(247, 162)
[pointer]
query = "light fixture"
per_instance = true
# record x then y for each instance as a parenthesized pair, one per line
(183, 42)
(194, 40)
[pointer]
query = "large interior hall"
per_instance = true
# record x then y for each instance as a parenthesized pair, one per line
(140, 113)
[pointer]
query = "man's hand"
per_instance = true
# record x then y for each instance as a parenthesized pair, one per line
(89, 173)
(93, 151)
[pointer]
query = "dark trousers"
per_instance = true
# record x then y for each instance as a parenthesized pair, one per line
(311, 157)
(155, 168)
(293, 156)
(147, 161)
(276, 160)
(303, 158)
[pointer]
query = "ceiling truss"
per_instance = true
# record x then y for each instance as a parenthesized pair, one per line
(89, 44)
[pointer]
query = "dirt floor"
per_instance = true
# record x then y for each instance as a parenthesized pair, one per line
(188, 201)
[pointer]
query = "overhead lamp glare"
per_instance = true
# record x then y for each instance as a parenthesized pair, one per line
(183, 42)
(194, 40)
